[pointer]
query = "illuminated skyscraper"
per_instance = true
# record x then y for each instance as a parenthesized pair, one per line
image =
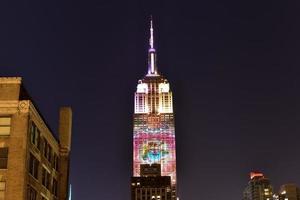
(259, 188)
(153, 131)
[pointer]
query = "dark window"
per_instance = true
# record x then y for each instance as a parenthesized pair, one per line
(34, 135)
(55, 162)
(46, 178)
(3, 157)
(47, 150)
(54, 187)
(33, 166)
(32, 193)
(49, 157)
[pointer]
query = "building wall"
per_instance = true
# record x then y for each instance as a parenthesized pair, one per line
(151, 188)
(154, 131)
(289, 191)
(47, 143)
(259, 188)
(20, 179)
(13, 177)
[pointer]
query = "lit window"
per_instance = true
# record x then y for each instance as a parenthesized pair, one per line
(2, 190)
(5, 123)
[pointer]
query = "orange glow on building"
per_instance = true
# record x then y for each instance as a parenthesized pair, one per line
(256, 174)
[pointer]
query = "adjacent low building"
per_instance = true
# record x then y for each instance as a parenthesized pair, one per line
(34, 164)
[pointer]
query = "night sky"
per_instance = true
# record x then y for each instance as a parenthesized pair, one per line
(233, 67)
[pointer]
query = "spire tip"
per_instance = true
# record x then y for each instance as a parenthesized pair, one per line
(152, 69)
(151, 33)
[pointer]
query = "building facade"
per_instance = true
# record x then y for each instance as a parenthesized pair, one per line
(153, 128)
(259, 188)
(289, 192)
(34, 164)
(151, 185)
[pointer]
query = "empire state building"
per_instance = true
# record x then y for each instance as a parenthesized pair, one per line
(153, 132)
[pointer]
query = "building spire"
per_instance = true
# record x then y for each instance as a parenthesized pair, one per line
(152, 68)
(151, 41)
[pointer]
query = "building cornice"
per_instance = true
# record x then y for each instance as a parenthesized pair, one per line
(10, 80)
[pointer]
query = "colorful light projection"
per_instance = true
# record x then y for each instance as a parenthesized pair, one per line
(154, 142)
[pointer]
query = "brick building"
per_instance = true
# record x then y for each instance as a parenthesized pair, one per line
(34, 164)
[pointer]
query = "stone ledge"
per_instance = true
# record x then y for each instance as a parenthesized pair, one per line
(10, 80)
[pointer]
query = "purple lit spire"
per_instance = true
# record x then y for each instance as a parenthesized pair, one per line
(151, 41)
(152, 68)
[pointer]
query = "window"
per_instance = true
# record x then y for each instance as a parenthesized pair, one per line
(3, 157)
(44, 197)
(47, 150)
(49, 157)
(31, 193)
(5, 123)
(2, 190)
(33, 166)
(34, 135)
(54, 187)
(55, 161)
(46, 178)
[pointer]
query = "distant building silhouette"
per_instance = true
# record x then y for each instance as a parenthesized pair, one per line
(259, 188)
(34, 163)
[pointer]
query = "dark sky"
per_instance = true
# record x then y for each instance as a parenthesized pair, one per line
(233, 67)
